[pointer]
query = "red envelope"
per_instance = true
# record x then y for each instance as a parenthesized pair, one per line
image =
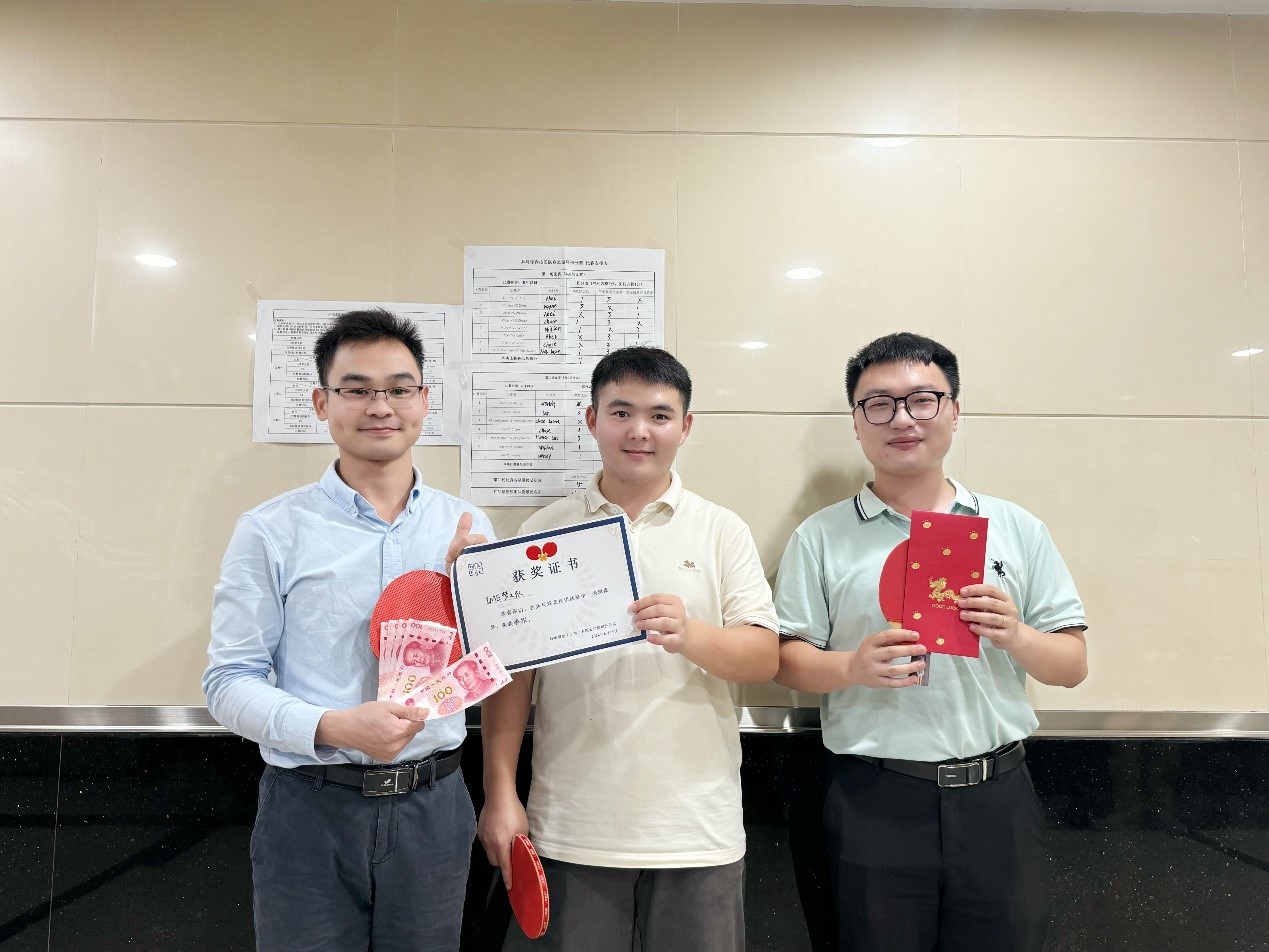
(945, 553)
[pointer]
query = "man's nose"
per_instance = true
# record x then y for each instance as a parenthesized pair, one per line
(901, 406)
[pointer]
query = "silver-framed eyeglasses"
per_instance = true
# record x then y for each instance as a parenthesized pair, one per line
(364, 396)
(881, 408)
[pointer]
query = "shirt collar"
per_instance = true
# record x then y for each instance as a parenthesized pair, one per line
(353, 502)
(869, 505)
(596, 501)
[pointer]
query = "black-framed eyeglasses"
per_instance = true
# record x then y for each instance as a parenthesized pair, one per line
(364, 396)
(920, 404)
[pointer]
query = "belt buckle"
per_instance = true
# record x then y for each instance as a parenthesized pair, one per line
(387, 782)
(963, 774)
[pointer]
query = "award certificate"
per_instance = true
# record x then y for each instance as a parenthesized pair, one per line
(549, 596)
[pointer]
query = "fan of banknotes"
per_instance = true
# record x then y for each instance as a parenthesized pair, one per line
(414, 669)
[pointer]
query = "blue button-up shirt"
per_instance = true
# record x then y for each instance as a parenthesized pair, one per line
(291, 613)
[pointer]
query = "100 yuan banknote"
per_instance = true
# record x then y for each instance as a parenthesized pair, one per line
(468, 681)
(410, 653)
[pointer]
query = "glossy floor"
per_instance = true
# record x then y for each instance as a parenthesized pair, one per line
(140, 842)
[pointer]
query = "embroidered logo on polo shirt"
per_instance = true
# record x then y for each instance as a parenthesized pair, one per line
(688, 566)
(998, 566)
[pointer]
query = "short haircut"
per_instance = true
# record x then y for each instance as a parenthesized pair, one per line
(903, 348)
(649, 364)
(366, 327)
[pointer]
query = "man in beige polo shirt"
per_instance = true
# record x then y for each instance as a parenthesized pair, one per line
(635, 800)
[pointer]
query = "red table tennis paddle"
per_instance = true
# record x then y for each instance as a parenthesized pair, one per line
(421, 595)
(894, 574)
(529, 898)
(894, 577)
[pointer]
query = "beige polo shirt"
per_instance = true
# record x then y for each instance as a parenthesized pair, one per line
(636, 751)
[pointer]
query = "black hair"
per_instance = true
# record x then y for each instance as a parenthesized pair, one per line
(366, 327)
(903, 348)
(649, 364)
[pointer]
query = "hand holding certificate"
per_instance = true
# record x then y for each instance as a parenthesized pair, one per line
(549, 596)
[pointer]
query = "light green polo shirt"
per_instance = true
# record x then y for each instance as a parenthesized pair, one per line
(826, 594)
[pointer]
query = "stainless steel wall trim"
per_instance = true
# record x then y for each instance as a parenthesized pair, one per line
(1144, 724)
(168, 719)
(112, 718)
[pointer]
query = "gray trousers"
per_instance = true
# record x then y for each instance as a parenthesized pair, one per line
(601, 909)
(335, 871)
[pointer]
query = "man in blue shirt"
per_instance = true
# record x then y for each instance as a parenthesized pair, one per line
(364, 827)
(935, 838)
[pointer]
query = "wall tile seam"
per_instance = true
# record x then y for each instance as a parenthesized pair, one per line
(582, 130)
(720, 413)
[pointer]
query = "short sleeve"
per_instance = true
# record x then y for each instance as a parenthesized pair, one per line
(800, 602)
(1050, 601)
(745, 595)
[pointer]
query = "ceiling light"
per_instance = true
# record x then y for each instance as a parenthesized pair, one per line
(1249, 352)
(803, 274)
(156, 261)
(754, 344)
(889, 142)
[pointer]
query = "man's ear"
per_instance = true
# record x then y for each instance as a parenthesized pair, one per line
(320, 397)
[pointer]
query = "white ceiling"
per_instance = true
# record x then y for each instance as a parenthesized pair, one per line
(1247, 7)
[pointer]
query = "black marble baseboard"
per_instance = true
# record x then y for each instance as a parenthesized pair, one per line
(140, 842)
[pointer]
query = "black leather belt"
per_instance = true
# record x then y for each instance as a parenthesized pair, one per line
(956, 773)
(386, 781)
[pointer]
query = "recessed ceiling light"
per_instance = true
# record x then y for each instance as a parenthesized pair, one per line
(754, 344)
(1249, 352)
(156, 261)
(803, 274)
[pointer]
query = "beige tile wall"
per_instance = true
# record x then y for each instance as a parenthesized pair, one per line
(1078, 204)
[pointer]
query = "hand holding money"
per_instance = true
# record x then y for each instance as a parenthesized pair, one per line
(411, 652)
(469, 681)
(412, 669)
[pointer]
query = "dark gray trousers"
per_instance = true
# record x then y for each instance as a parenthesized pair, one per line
(602, 909)
(336, 871)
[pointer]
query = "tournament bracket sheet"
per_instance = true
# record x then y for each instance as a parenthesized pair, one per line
(537, 322)
(549, 596)
(282, 404)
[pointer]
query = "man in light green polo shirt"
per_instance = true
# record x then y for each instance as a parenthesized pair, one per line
(935, 837)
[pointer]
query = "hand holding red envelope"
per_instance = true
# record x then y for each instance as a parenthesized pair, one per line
(922, 578)
(945, 553)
